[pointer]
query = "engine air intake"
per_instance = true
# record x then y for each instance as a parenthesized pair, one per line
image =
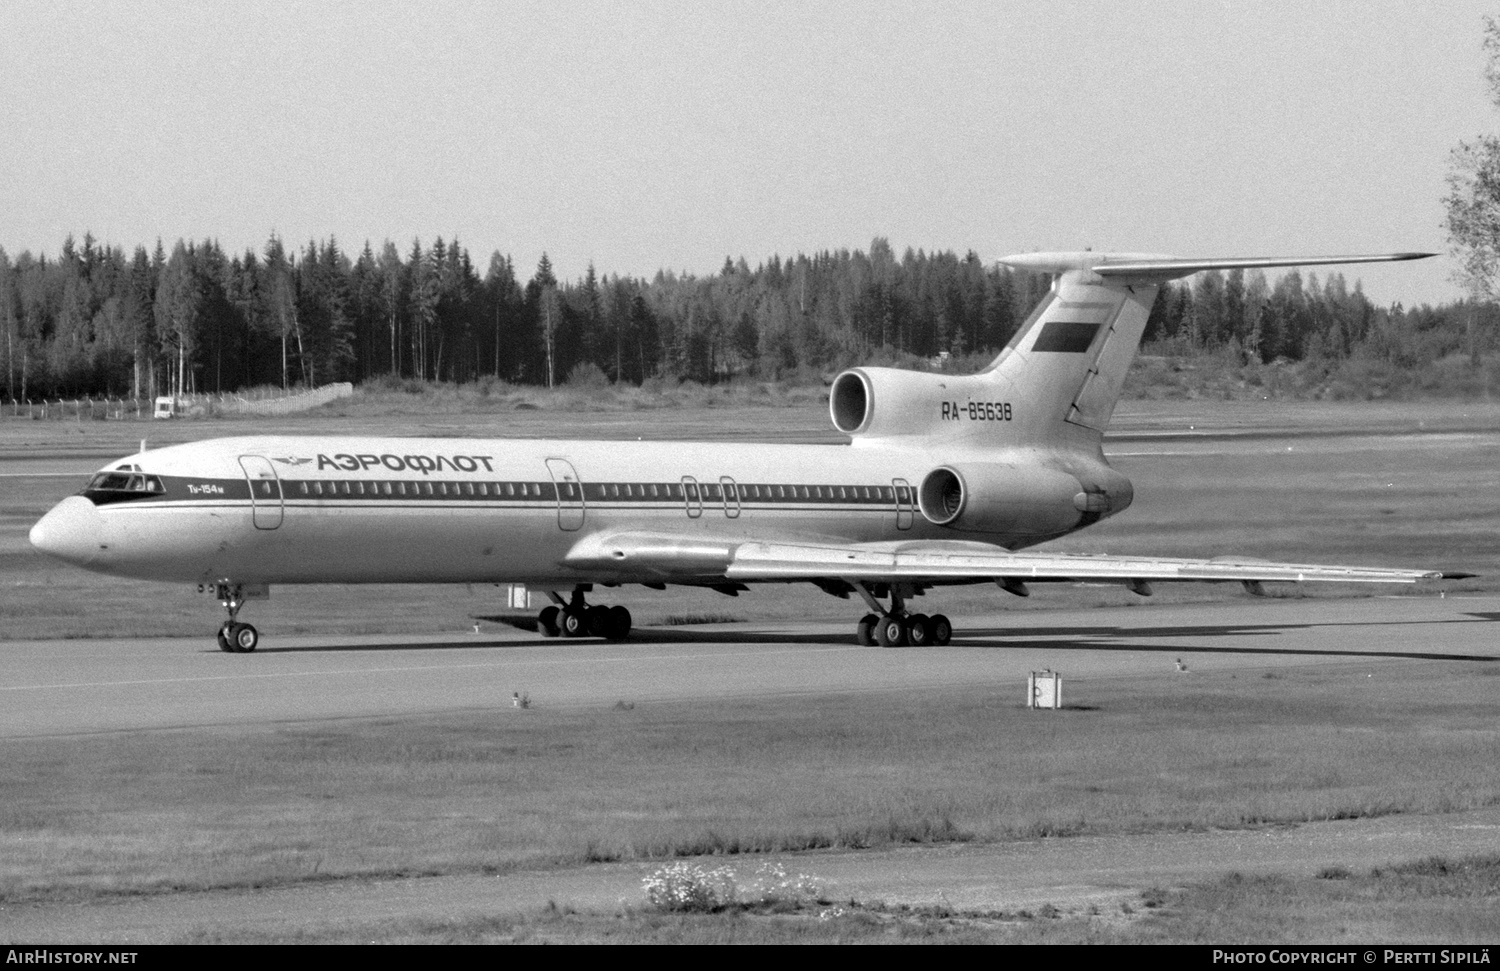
(941, 497)
(849, 403)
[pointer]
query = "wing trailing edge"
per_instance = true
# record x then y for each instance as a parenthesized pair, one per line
(673, 558)
(938, 562)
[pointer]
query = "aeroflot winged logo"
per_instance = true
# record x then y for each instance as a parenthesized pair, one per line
(424, 464)
(290, 460)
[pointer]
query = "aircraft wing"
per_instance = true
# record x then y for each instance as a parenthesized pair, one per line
(670, 557)
(948, 561)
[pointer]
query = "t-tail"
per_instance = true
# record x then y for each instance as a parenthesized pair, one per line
(1056, 383)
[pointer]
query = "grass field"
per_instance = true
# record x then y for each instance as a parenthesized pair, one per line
(469, 793)
(153, 812)
(1434, 901)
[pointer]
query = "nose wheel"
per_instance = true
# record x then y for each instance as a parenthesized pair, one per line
(575, 618)
(235, 637)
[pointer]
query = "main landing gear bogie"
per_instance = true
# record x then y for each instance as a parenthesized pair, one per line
(902, 630)
(894, 627)
(578, 619)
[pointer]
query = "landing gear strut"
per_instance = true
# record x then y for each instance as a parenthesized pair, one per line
(575, 618)
(235, 637)
(894, 627)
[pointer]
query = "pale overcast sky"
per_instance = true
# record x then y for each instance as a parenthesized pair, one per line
(640, 136)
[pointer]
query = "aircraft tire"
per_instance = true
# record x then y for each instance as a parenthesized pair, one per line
(941, 629)
(575, 623)
(546, 622)
(245, 638)
(890, 632)
(918, 630)
(617, 626)
(224, 644)
(864, 633)
(599, 621)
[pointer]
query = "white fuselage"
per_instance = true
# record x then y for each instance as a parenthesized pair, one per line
(284, 509)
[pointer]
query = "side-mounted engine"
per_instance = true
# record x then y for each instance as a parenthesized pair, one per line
(1022, 499)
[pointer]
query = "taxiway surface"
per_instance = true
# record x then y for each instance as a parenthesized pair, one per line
(82, 686)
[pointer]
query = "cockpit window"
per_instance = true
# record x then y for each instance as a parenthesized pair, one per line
(132, 483)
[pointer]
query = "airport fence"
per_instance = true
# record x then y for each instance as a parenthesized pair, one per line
(255, 402)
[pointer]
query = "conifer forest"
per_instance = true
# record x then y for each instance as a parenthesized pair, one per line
(94, 320)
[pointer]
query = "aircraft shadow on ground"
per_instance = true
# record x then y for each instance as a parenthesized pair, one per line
(1079, 638)
(1062, 638)
(480, 643)
(1105, 640)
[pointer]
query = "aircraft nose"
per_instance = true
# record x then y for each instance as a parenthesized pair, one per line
(70, 531)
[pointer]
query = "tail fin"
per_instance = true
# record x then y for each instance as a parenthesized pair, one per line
(1068, 362)
(1057, 381)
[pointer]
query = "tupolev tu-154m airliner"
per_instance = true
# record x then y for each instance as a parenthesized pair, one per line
(947, 480)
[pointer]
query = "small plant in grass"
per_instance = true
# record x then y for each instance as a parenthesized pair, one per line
(1154, 898)
(690, 888)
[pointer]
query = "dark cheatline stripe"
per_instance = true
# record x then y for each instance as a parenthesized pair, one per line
(621, 495)
(1065, 336)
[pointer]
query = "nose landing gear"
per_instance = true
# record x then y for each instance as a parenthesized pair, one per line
(238, 638)
(235, 637)
(897, 628)
(575, 618)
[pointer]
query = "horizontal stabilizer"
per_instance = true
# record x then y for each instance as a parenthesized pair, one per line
(1157, 269)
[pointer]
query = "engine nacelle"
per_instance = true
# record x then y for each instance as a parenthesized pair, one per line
(876, 402)
(1019, 499)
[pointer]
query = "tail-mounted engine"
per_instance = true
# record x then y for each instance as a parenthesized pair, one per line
(853, 401)
(878, 402)
(1020, 500)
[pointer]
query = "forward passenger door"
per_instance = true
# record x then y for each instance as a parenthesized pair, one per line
(265, 491)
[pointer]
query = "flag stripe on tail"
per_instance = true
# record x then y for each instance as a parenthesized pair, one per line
(1065, 336)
